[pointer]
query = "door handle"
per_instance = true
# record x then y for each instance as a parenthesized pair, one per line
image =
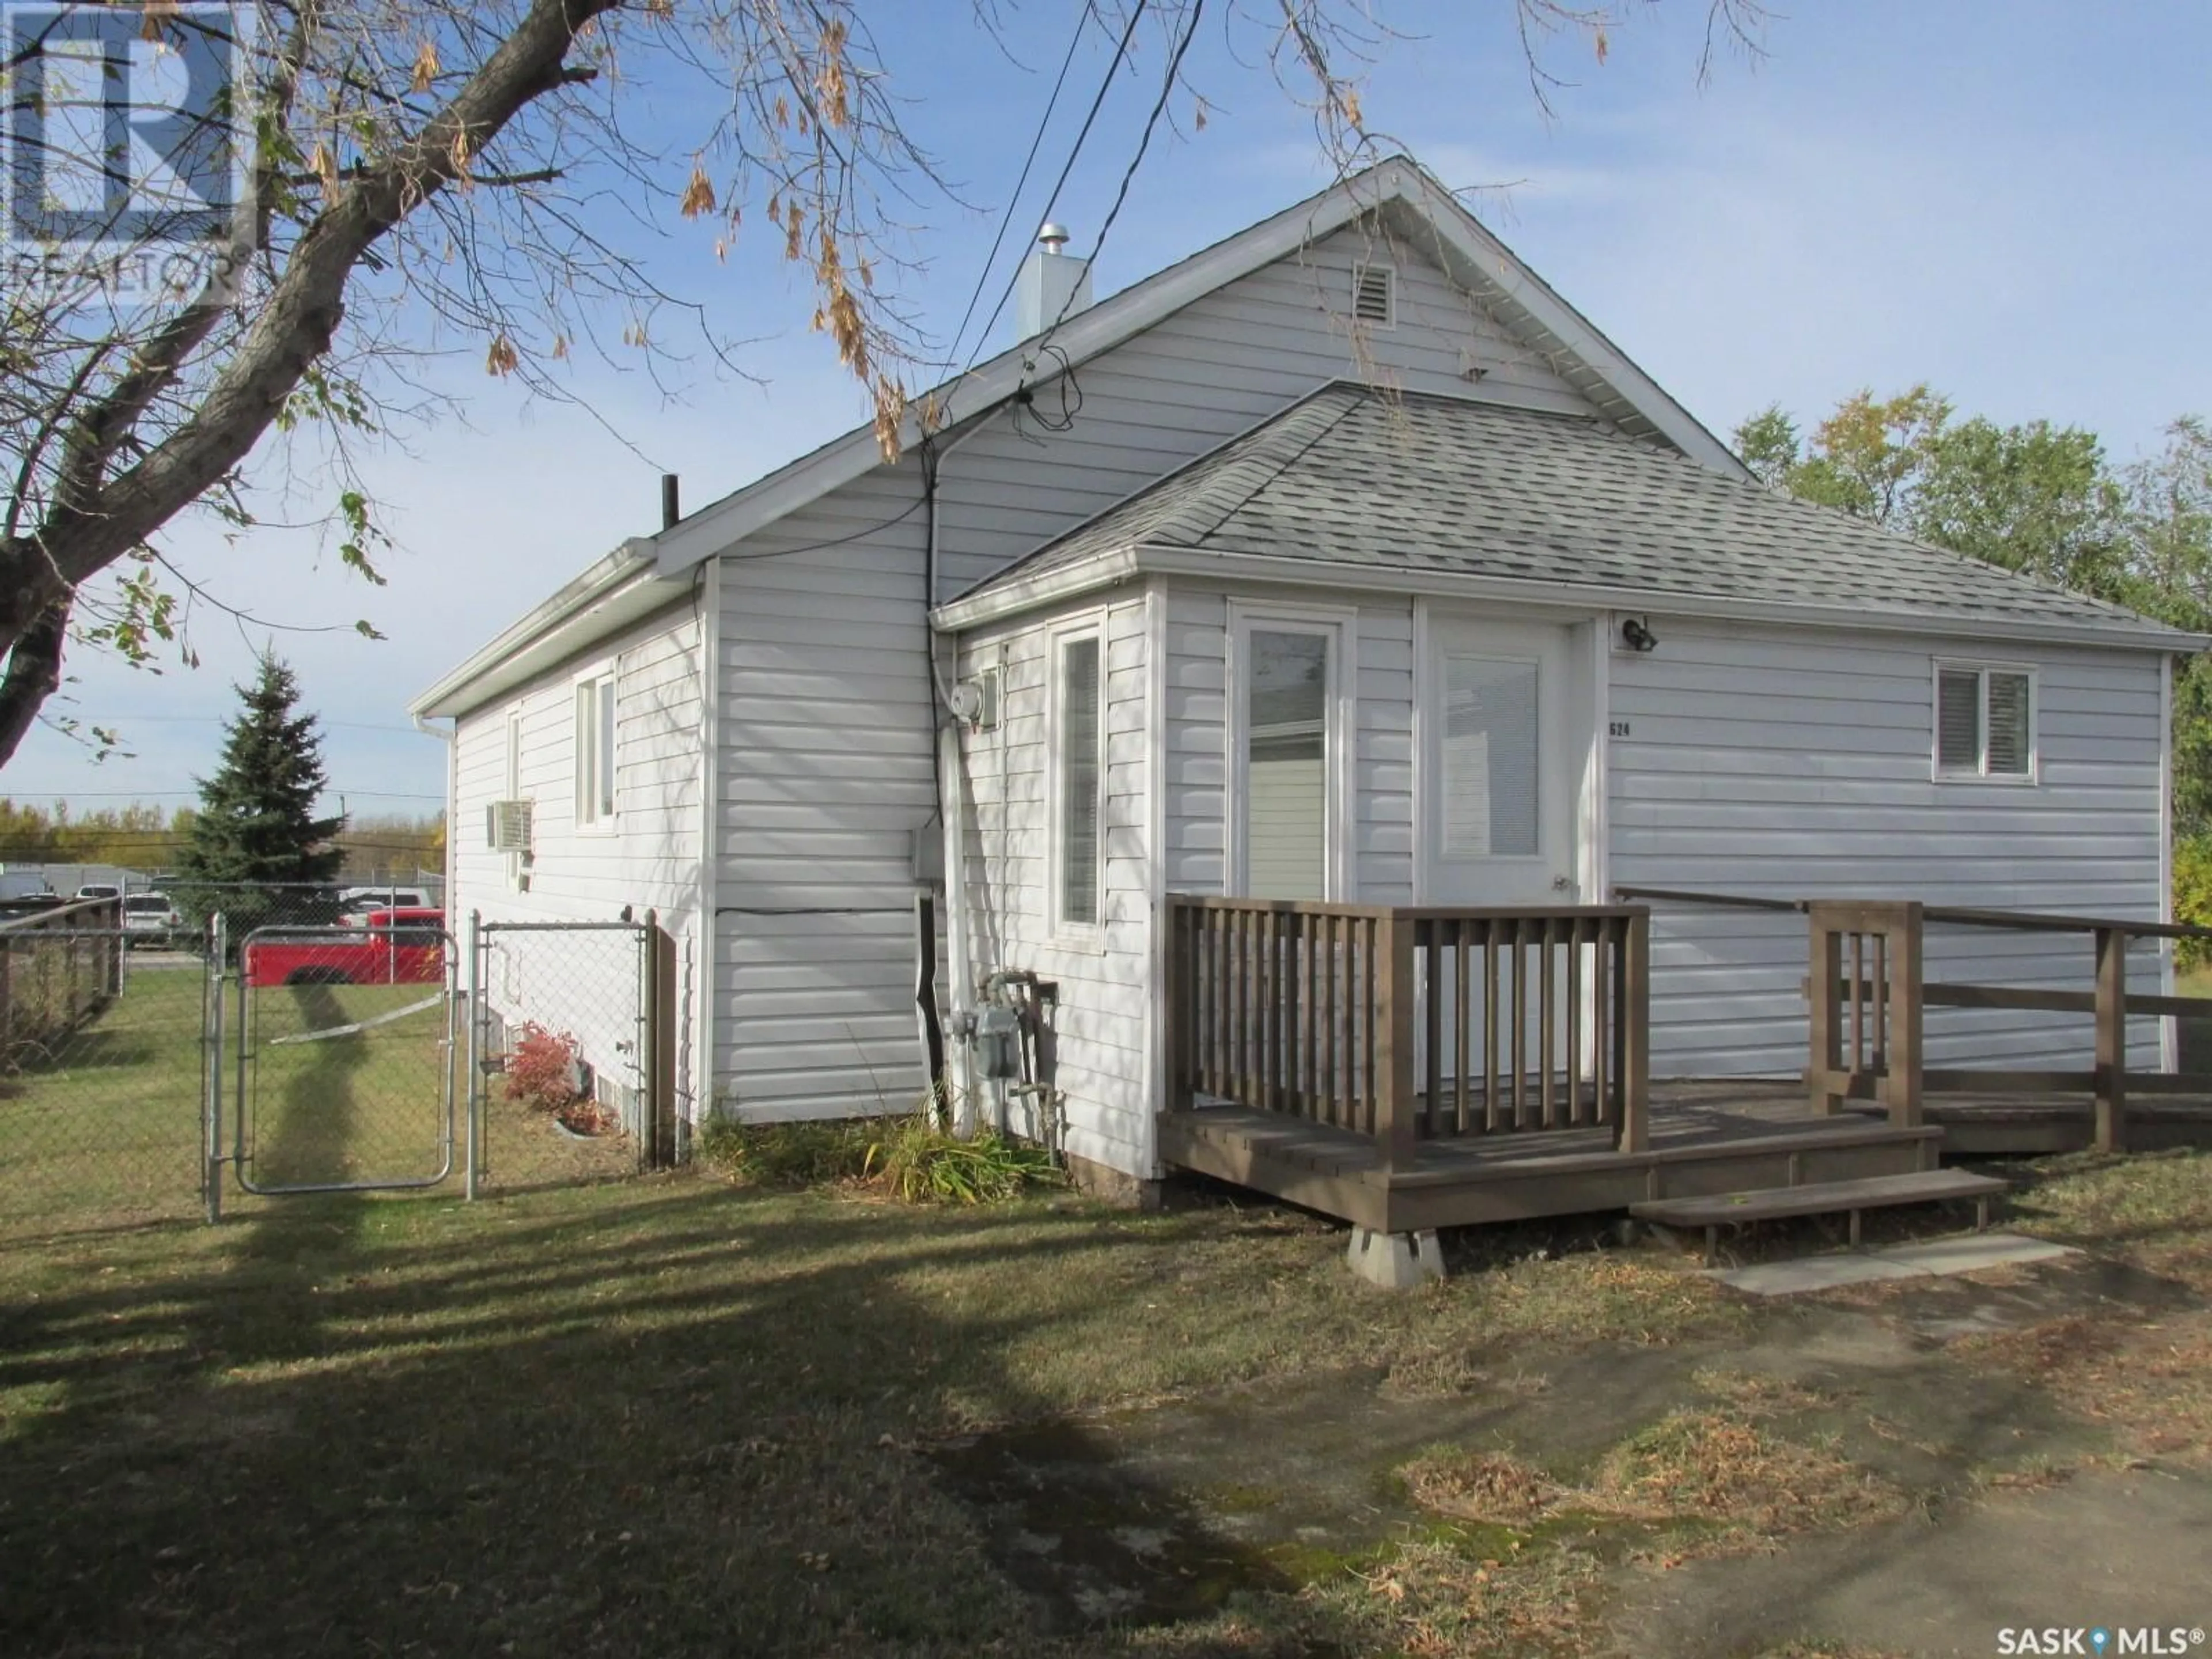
(1563, 883)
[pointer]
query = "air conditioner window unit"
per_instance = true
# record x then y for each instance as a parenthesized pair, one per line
(506, 826)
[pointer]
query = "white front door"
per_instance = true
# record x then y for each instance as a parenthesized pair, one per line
(1499, 763)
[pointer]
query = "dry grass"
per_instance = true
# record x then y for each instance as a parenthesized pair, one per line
(2150, 1383)
(1719, 1468)
(1724, 1469)
(1493, 1487)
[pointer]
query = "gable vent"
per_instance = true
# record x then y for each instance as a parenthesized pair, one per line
(1375, 295)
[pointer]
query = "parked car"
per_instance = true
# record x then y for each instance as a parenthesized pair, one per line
(99, 890)
(405, 947)
(151, 918)
(356, 903)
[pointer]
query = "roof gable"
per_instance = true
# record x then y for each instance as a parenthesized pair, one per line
(1412, 206)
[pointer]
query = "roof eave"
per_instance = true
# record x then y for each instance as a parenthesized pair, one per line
(621, 588)
(1097, 570)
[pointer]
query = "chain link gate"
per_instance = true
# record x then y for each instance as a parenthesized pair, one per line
(345, 1058)
(138, 1065)
(570, 1051)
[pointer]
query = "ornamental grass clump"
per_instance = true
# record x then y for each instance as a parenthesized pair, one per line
(911, 1159)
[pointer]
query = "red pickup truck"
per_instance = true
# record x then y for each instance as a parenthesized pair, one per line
(390, 947)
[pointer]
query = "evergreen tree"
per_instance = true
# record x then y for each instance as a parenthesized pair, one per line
(256, 838)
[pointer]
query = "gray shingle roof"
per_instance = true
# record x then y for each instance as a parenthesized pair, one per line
(1353, 477)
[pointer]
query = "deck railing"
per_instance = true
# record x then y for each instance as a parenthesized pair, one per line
(1868, 990)
(1413, 1023)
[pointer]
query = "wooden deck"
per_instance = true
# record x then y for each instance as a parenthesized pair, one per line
(1704, 1139)
(1405, 1068)
(1995, 1127)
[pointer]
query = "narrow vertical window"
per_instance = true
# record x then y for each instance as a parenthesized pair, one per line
(1286, 699)
(595, 752)
(1078, 702)
(1985, 723)
(604, 768)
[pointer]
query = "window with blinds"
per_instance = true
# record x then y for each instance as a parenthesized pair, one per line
(1077, 852)
(1286, 794)
(1985, 723)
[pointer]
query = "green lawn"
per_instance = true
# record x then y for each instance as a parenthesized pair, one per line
(672, 1417)
(103, 1126)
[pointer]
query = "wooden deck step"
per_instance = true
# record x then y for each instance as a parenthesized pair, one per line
(1822, 1198)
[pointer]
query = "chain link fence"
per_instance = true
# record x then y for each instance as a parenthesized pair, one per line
(164, 1060)
(565, 1053)
(101, 1075)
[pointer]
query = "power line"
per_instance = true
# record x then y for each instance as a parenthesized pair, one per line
(1006, 219)
(1105, 86)
(1143, 143)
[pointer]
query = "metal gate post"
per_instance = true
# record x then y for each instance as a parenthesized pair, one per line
(657, 1041)
(211, 1011)
(475, 1055)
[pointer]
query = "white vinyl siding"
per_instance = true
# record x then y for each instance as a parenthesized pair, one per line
(826, 772)
(646, 858)
(1005, 858)
(1796, 765)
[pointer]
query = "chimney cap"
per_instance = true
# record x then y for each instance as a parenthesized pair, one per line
(1052, 237)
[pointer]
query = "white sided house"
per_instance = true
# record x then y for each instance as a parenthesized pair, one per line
(1343, 564)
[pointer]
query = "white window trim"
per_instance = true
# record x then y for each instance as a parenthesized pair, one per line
(1937, 770)
(611, 823)
(1059, 931)
(1341, 625)
(1390, 290)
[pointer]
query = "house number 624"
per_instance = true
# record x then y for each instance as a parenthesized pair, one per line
(1619, 728)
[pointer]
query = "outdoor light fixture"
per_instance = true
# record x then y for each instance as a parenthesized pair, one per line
(1636, 634)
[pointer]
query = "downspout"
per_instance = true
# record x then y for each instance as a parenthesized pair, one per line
(707, 932)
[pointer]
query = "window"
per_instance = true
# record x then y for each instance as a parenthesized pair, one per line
(1078, 779)
(1489, 751)
(1375, 296)
(595, 752)
(1286, 699)
(1985, 723)
(1288, 669)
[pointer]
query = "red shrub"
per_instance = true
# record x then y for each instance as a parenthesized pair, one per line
(542, 1069)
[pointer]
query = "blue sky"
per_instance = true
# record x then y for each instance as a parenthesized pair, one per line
(2005, 199)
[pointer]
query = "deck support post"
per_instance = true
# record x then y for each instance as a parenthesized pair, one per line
(1396, 1134)
(1901, 1054)
(1396, 1261)
(2111, 1039)
(1634, 1013)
